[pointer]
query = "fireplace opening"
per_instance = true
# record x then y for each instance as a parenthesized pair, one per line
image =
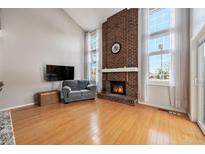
(118, 87)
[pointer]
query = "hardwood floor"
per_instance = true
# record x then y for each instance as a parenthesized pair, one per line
(102, 122)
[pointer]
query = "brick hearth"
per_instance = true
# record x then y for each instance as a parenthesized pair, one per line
(122, 28)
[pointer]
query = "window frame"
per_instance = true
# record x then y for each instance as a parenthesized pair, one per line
(153, 35)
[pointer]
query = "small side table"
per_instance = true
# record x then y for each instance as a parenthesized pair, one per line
(49, 97)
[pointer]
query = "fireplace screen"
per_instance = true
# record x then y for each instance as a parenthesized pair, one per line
(118, 87)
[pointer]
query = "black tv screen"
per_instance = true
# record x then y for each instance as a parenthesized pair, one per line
(59, 73)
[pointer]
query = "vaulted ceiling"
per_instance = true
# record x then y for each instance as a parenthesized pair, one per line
(91, 18)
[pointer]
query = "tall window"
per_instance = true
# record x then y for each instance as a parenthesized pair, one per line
(159, 43)
(93, 55)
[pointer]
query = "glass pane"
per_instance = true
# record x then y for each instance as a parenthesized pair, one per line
(201, 85)
(93, 56)
(93, 42)
(154, 67)
(93, 73)
(166, 60)
(93, 64)
(159, 19)
(154, 44)
(159, 67)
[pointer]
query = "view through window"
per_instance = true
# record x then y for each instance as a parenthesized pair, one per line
(159, 48)
(93, 47)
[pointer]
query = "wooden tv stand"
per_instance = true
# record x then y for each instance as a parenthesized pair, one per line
(48, 97)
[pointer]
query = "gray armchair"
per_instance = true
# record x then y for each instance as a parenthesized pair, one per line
(75, 90)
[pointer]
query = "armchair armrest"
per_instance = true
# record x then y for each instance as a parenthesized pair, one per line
(91, 87)
(65, 91)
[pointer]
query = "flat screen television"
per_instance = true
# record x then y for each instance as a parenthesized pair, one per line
(59, 73)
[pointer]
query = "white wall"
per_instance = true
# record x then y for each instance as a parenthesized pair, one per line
(158, 95)
(30, 39)
(197, 19)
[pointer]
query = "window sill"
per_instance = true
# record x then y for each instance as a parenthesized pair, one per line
(158, 83)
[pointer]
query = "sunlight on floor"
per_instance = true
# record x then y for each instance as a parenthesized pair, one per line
(94, 128)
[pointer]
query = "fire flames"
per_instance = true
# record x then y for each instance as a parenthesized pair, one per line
(118, 89)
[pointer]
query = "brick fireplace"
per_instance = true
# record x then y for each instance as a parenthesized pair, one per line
(120, 68)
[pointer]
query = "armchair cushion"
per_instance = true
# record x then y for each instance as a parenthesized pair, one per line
(75, 93)
(86, 92)
(82, 84)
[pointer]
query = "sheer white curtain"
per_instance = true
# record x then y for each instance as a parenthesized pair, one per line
(143, 55)
(99, 61)
(88, 57)
(179, 70)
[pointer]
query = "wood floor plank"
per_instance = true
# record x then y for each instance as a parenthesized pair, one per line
(102, 122)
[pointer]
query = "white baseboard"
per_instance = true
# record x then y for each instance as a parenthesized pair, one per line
(15, 107)
(163, 107)
(201, 126)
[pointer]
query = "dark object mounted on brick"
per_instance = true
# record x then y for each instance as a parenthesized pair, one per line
(116, 47)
